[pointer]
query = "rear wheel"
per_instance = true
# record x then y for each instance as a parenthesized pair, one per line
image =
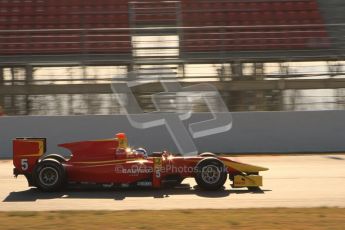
(49, 175)
(207, 154)
(57, 157)
(211, 174)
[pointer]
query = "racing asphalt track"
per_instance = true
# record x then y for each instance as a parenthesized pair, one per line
(293, 181)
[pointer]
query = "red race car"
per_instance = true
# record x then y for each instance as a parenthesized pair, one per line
(111, 162)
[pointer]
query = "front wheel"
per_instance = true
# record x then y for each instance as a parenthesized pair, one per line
(211, 174)
(49, 175)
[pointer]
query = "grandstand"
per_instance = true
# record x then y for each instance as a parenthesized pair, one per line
(236, 44)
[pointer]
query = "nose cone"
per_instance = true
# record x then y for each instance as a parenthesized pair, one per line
(242, 167)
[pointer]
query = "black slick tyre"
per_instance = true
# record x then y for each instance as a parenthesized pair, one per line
(49, 175)
(210, 174)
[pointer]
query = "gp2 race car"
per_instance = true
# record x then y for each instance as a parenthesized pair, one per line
(112, 162)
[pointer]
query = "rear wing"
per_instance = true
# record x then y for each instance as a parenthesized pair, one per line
(26, 152)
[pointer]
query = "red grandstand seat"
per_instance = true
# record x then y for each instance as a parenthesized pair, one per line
(314, 15)
(289, 6)
(243, 16)
(241, 6)
(265, 6)
(255, 17)
(280, 15)
(291, 15)
(301, 5)
(65, 14)
(313, 5)
(277, 6)
(267, 15)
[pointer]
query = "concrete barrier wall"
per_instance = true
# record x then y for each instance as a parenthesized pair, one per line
(258, 132)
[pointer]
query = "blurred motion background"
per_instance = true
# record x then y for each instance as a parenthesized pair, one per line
(59, 57)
